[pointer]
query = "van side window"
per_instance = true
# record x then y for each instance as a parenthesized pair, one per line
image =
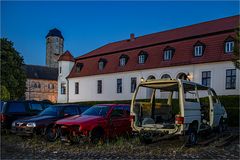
(190, 93)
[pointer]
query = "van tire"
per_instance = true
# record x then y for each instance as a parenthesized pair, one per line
(145, 139)
(192, 137)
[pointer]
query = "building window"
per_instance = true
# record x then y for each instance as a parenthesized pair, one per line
(167, 55)
(229, 46)
(102, 63)
(142, 57)
(231, 79)
(206, 78)
(50, 86)
(122, 61)
(99, 86)
(76, 88)
(198, 51)
(63, 88)
(166, 76)
(199, 48)
(133, 84)
(79, 67)
(119, 85)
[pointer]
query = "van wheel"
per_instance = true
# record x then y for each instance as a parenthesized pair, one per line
(146, 138)
(52, 133)
(192, 137)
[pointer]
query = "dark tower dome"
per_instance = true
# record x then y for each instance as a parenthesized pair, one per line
(55, 32)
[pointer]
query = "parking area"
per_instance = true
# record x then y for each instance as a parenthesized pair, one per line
(14, 147)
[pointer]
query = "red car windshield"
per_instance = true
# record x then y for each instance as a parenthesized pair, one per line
(97, 111)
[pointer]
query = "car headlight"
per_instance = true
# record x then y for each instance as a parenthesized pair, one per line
(13, 124)
(32, 124)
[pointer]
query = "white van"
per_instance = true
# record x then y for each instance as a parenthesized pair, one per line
(168, 107)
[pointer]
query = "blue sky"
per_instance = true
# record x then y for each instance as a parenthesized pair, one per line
(89, 25)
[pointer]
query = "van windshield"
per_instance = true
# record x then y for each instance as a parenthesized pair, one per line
(97, 111)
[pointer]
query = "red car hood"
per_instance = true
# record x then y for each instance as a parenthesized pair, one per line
(77, 120)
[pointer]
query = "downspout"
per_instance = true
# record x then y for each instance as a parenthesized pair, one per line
(67, 90)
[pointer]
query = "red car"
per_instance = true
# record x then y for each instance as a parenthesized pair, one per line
(98, 122)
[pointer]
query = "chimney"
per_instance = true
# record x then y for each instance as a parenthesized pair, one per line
(132, 37)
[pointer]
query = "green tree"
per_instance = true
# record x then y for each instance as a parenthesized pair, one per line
(5, 95)
(236, 57)
(13, 76)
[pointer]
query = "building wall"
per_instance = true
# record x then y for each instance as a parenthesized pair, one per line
(88, 84)
(66, 67)
(33, 92)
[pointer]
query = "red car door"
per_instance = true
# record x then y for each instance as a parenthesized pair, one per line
(116, 121)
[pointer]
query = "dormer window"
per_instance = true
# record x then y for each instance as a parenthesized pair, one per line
(79, 67)
(102, 64)
(142, 57)
(168, 53)
(123, 60)
(199, 48)
(229, 45)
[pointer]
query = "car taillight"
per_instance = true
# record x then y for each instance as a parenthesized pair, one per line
(3, 118)
(179, 119)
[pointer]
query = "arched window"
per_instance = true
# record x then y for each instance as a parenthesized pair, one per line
(168, 53)
(123, 60)
(199, 49)
(38, 85)
(229, 45)
(142, 57)
(166, 76)
(102, 63)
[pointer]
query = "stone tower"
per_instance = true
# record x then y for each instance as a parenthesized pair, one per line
(54, 47)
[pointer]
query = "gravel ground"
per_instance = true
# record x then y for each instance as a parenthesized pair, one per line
(14, 147)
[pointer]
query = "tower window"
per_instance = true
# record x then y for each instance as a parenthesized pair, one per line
(142, 57)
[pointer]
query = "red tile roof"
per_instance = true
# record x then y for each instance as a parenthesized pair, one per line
(67, 56)
(212, 34)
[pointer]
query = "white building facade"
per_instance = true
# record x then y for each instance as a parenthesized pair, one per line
(112, 72)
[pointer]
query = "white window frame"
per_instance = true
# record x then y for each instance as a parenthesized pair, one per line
(198, 51)
(122, 61)
(141, 59)
(167, 55)
(100, 65)
(229, 46)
